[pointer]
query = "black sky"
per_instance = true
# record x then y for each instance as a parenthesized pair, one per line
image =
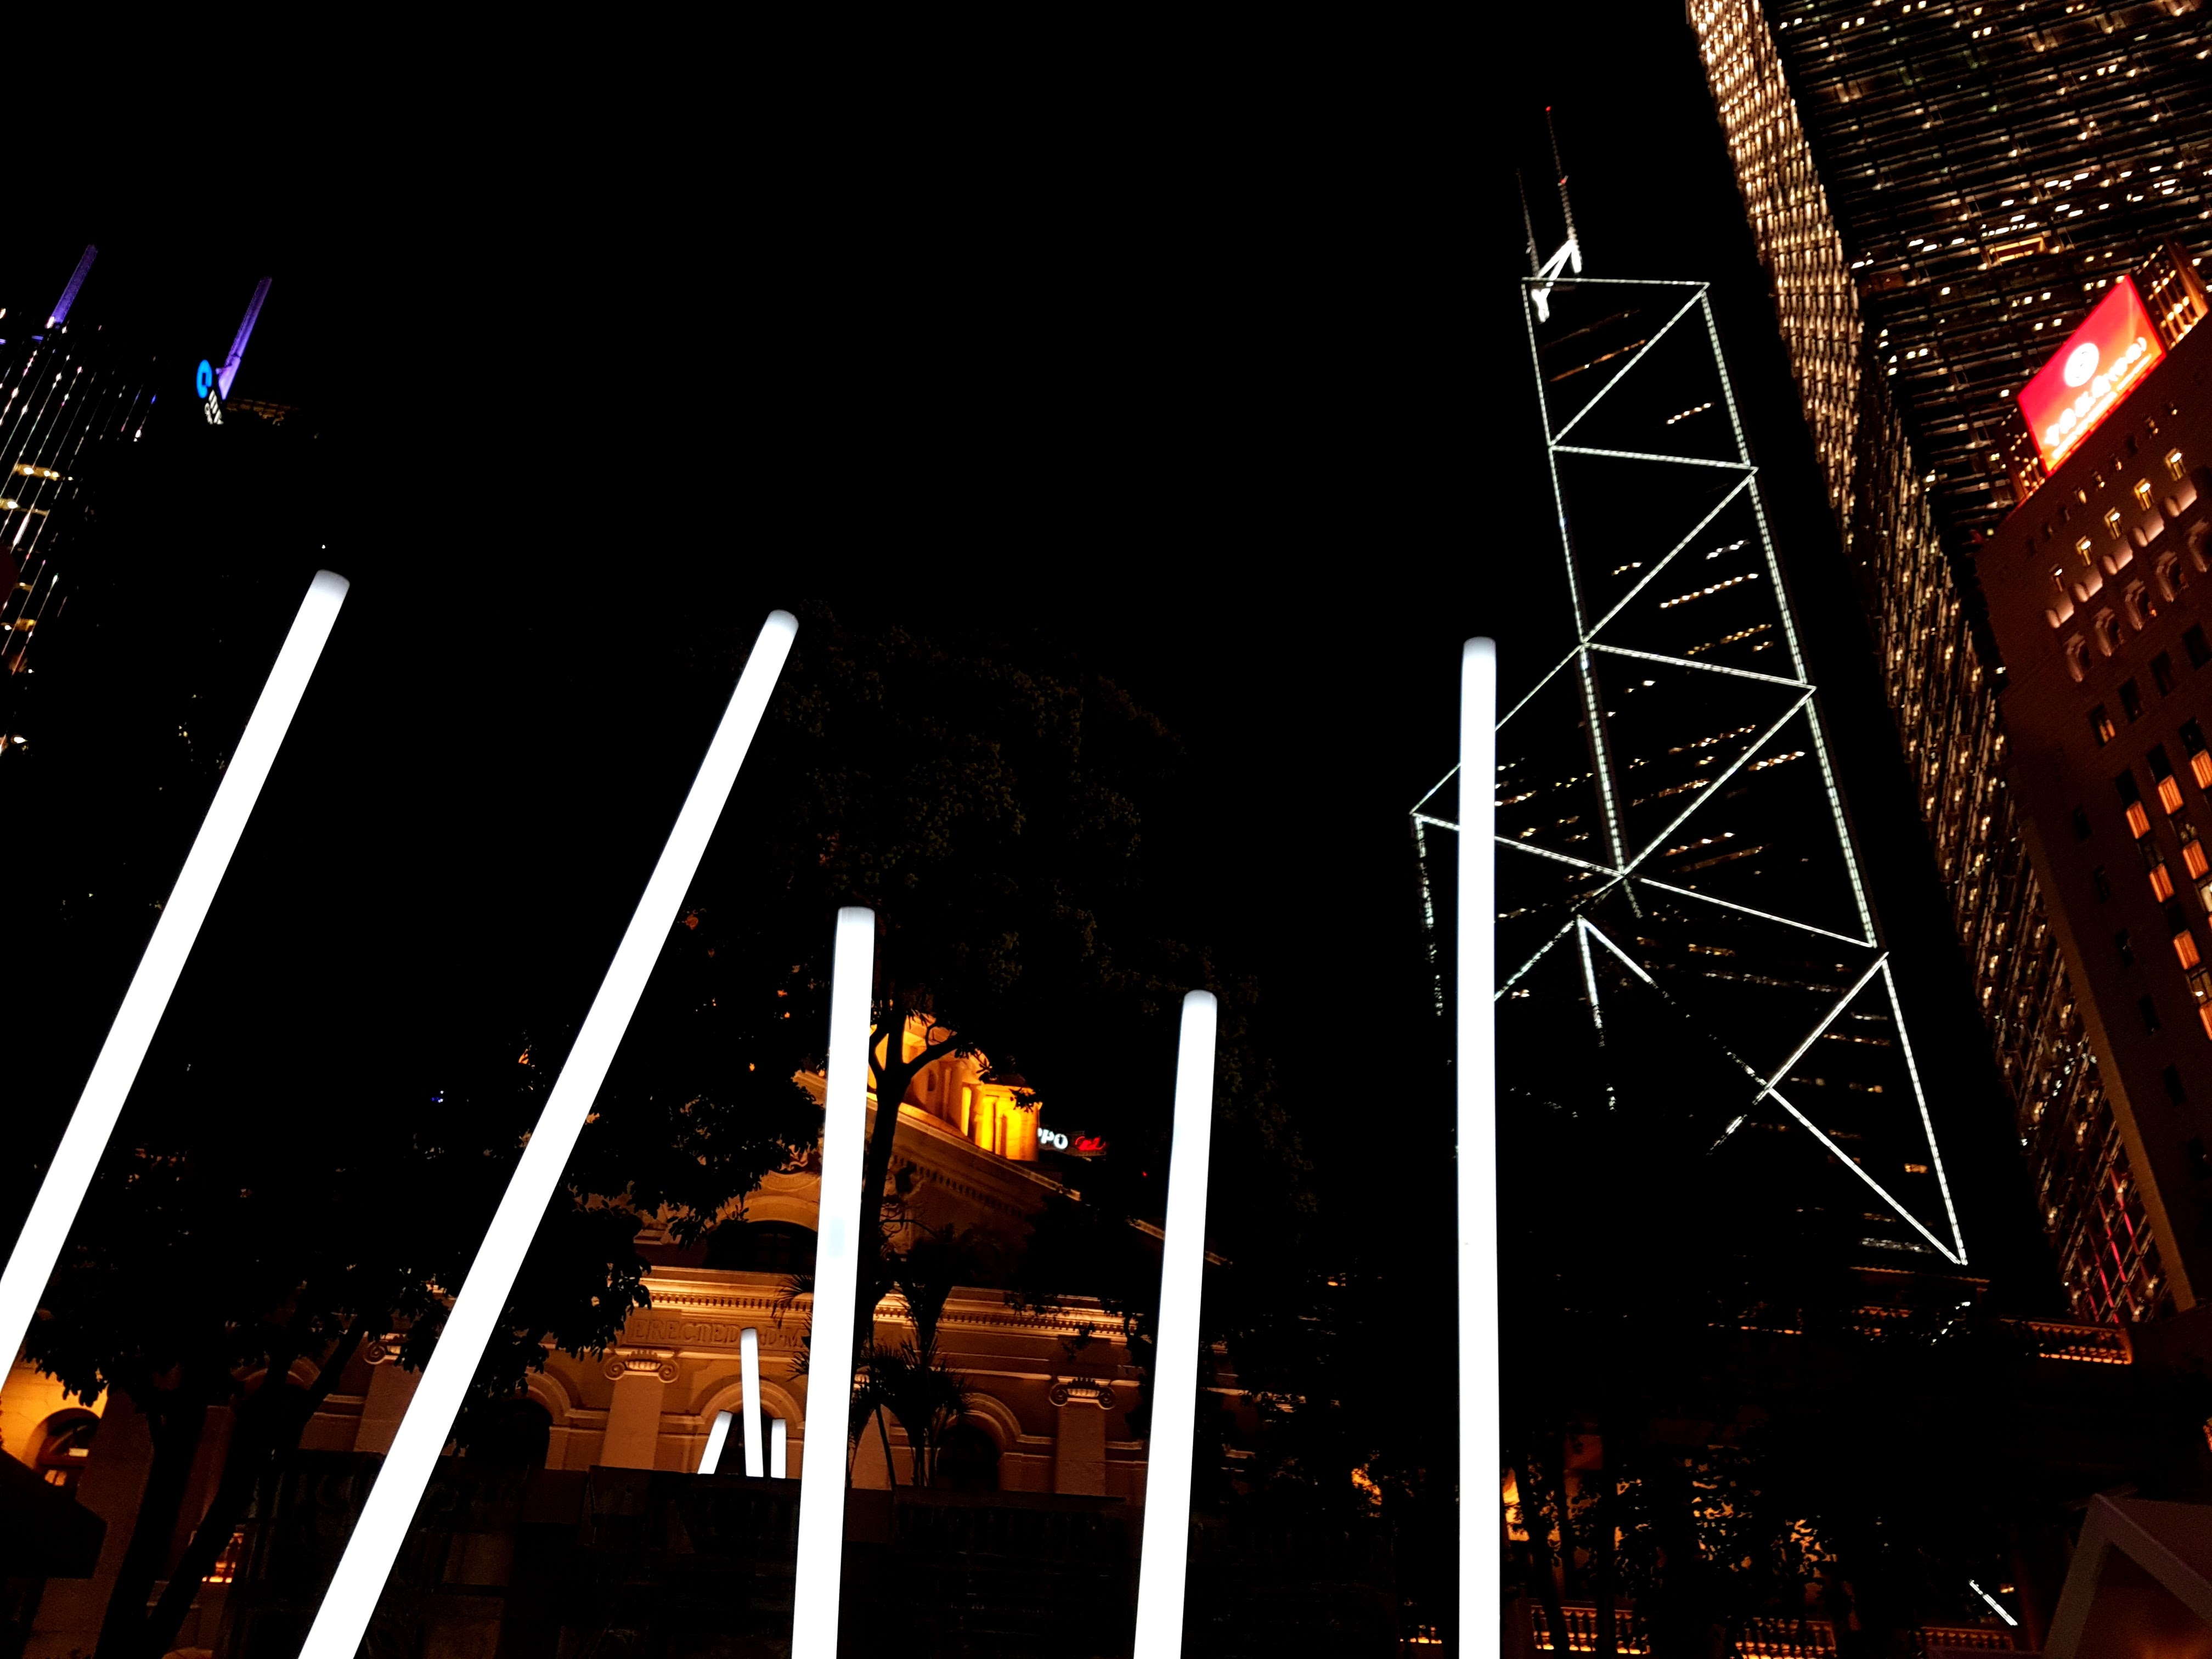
(1233, 404)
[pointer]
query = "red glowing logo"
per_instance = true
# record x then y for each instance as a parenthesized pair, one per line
(2100, 363)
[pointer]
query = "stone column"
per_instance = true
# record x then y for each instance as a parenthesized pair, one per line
(641, 1377)
(390, 1389)
(1079, 1441)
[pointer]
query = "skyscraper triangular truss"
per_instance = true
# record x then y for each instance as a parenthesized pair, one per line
(1676, 859)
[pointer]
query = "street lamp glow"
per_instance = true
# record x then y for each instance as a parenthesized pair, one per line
(1166, 1559)
(45, 1230)
(1480, 1452)
(820, 1567)
(351, 1599)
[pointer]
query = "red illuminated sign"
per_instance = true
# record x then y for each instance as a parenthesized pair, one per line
(2100, 363)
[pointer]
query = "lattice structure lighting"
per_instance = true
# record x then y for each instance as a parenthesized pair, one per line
(1675, 866)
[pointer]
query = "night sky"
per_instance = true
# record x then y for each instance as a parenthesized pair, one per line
(1234, 407)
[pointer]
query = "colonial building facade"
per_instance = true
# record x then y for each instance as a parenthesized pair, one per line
(1048, 1393)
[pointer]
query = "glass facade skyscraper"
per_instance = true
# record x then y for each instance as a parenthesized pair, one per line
(1680, 898)
(1939, 193)
(67, 402)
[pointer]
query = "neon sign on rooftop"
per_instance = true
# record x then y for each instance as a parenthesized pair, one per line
(2100, 363)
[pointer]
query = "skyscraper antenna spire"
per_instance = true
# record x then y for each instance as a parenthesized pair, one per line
(1527, 225)
(69, 294)
(230, 371)
(1569, 255)
(1566, 206)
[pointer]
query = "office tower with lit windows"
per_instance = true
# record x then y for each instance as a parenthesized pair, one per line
(66, 403)
(1939, 192)
(2099, 592)
(75, 399)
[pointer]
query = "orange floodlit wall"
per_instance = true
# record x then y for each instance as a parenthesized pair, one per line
(2100, 363)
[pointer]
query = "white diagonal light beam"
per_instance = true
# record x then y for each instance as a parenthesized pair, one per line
(817, 1574)
(1857, 1169)
(1700, 667)
(1770, 1092)
(1927, 1122)
(1621, 373)
(1165, 1563)
(1635, 455)
(351, 1599)
(45, 1229)
(1762, 915)
(1664, 560)
(1750, 750)
(1826, 1020)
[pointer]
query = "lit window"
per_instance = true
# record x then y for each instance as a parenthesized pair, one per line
(2112, 524)
(2143, 493)
(2162, 884)
(2138, 820)
(2173, 465)
(2082, 547)
(2185, 948)
(2193, 860)
(2100, 723)
(2169, 794)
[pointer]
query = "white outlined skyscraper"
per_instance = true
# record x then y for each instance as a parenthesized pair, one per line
(1678, 880)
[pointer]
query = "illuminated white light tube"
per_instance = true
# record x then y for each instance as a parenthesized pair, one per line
(382, 1528)
(779, 1449)
(717, 1438)
(1481, 1448)
(1166, 1556)
(820, 1567)
(749, 1361)
(45, 1229)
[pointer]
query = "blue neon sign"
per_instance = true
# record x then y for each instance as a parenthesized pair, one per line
(203, 381)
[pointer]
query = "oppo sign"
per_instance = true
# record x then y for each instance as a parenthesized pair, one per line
(1081, 1145)
(2100, 364)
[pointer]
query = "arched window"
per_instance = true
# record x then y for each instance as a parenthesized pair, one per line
(2106, 629)
(2077, 659)
(2167, 574)
(761, 1247)
(2061, 609)
(65, 1446)
(2136, 605)
(510, 1434)
(2199, 536)
(966, 1461)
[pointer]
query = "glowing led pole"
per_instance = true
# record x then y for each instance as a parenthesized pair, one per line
(1175, 1377)
(749, 1367)
(1480, 1452)
(39, 1246)
(836, 1286)
(423, 1431)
